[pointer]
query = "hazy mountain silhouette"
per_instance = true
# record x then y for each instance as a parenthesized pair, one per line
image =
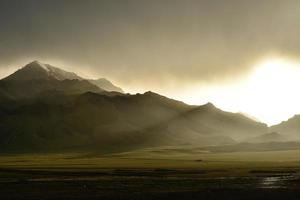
(214, 125)
(105, 85)
(268, 137)
(42, 110)
(289, 128)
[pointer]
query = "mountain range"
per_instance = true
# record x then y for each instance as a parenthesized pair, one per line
(44, 108)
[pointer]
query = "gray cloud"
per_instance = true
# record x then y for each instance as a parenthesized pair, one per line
(150, 42)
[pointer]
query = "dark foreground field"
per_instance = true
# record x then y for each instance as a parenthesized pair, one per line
(156, 175)
(146, 184)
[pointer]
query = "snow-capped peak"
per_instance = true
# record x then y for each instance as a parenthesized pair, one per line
(41, 64)
(38, 70)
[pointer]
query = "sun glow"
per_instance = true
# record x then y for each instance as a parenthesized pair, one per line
(270, 93)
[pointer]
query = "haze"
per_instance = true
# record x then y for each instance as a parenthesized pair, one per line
(242, 56)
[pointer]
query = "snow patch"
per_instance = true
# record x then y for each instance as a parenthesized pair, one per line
(43, 66)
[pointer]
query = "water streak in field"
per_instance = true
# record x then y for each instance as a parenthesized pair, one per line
(278, 181)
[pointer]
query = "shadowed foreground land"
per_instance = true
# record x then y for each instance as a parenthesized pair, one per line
(152, 174)
(140, 184)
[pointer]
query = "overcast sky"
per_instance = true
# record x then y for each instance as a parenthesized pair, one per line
(149, 44)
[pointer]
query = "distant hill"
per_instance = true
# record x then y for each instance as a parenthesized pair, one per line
(289, 128)
(43, 110)
(268, 137)
(208, 125)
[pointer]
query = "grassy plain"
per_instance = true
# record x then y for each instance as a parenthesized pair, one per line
(156, 173)
(163, 157)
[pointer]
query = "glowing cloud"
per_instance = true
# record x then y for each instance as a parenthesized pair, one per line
(269, 93)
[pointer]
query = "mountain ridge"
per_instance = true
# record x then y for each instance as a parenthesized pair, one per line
(49, 114)
(37, 70)
(290, 127)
